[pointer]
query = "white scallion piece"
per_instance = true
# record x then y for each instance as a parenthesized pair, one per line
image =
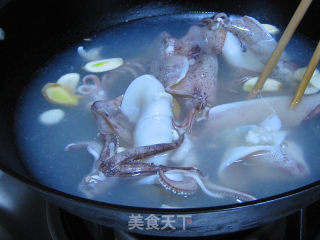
(270, 85)
(103, 65)
(271, 29)
(82, 53)
(69, 81)
(91, 54)
(51, 117)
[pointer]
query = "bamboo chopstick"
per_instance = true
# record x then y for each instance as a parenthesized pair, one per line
(286, 36)
(306, 77)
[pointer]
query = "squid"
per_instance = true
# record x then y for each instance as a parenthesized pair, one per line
(139, 135)
(148, 104)
(246, 44)
(187, 71)
(265, 151)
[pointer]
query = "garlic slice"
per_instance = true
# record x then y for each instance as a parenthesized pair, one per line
(269, 85)
(271, 29)
(69, 81)
(311, 90)
(298, 74)
(51, 117)
(103, 65)
(315, 79)
(57, 94)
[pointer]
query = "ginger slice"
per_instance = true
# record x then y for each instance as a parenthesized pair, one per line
(56, 94)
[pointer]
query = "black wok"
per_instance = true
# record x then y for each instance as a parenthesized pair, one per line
(37, 30)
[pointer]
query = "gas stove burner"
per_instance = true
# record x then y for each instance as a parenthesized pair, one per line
(65, 226)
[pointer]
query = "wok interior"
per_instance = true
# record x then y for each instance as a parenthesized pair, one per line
(41, 30)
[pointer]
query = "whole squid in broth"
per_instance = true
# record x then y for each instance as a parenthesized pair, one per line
(186, 69)
(246, 44)
(263, 151)
(144, 102)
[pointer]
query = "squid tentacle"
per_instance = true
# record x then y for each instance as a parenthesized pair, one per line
(193, 180)
(141, 169)
(95, 182)
(110, 166)
(217, 190)
(187, 186)
(93, 78)
(88, 88)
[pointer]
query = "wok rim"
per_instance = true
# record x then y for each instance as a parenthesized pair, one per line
(124, 208)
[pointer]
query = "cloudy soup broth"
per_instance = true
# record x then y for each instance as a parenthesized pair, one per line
(42, 145)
